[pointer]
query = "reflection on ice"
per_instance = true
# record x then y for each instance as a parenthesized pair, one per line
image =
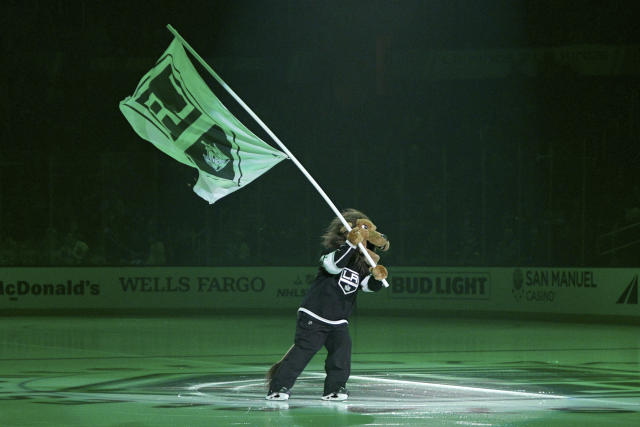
(379, 395)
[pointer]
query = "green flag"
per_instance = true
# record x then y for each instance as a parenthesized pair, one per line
(175, 110)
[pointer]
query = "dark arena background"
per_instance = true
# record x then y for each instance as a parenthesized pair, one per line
(496, 143)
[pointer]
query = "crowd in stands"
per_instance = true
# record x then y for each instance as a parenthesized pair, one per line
(437, 237)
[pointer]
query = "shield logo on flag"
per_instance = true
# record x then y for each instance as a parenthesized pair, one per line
(212, 154)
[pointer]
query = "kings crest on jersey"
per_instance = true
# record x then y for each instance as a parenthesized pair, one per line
(349, 281)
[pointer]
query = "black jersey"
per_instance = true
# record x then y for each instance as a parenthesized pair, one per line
(332, 295)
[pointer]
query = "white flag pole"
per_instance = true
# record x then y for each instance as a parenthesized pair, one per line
(276, 139)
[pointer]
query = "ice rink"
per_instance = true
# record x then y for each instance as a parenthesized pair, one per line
(209, 371)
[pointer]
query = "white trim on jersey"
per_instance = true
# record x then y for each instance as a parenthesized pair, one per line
(351, 247)
(365, 284)
(330, 264)
(322, 319)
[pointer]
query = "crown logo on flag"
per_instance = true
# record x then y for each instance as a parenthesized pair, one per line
(214, 157)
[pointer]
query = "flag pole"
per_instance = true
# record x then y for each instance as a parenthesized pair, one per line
(275, 138)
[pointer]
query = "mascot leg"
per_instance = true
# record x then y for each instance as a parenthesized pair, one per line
(277, 391)
(338, 364)
(310, 337)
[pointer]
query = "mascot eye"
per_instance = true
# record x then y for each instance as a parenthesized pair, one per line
(364, 226)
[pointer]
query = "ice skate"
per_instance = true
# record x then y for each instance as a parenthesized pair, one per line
(340, 394)
(282, 394)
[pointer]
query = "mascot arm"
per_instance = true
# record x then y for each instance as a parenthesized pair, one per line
(335, 261)
(370, 284)
(373, 282)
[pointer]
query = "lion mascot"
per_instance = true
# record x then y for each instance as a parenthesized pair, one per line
(325, 310)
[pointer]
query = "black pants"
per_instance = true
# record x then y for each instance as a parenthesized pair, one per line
(311, 335)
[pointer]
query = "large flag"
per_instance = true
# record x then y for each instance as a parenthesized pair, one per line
(175, 110)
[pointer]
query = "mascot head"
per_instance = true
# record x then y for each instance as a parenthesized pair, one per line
(336, 234)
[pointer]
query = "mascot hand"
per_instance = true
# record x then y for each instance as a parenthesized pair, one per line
(378, 272)
(358, 235)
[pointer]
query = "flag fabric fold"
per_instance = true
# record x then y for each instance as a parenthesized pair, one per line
(175, 110)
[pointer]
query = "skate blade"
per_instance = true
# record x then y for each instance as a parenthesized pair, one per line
(278, 396)
(338, 397)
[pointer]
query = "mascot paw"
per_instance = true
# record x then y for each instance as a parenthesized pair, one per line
(358, 235)
(378, 272)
